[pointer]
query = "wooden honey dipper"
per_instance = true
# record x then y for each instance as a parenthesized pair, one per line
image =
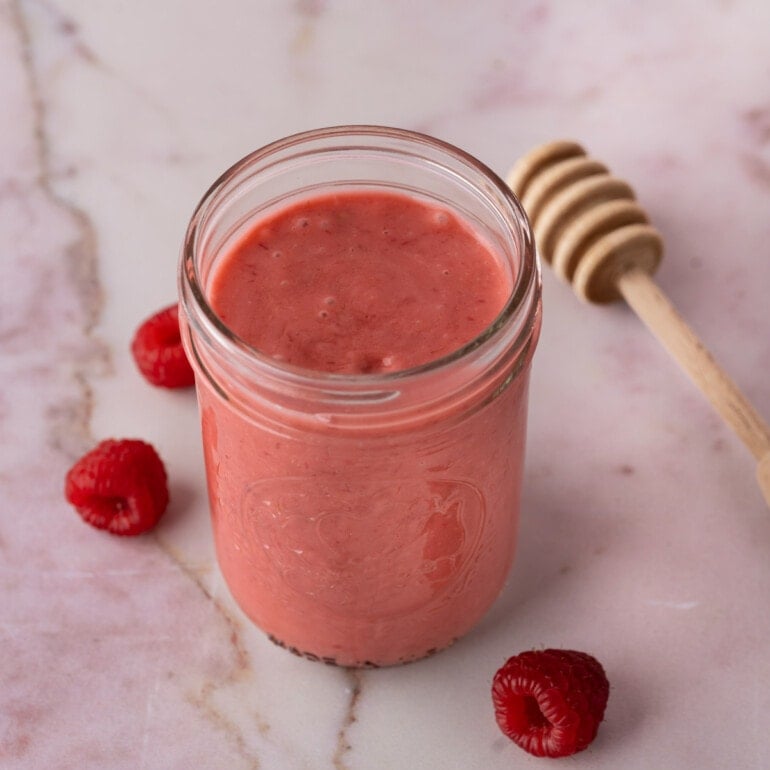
(590, 229)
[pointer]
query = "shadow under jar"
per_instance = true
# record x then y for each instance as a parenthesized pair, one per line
(363, 519)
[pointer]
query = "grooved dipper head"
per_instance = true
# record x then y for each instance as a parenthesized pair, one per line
(587, 223)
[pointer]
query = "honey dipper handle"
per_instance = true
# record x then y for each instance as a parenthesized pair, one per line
(659, 315)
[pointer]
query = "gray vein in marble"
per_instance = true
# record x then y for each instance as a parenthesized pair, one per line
(356, 679)
(69, 29)
(69, 420)
(203, 703)
(242, 668)
(82, 269)
(20, 25)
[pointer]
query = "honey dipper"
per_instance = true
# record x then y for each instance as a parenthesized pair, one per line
(590, 229)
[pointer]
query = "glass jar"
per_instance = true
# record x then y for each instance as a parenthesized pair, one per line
(363, 519)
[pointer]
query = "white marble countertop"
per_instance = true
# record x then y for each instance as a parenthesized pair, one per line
(644, 539)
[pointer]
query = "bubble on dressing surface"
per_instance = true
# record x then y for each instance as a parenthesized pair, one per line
(327, 302)
(363, 363)
(440, 218)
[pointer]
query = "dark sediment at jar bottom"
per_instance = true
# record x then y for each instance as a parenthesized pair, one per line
(364, 664)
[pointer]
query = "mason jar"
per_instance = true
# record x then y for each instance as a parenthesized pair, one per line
(363, 519)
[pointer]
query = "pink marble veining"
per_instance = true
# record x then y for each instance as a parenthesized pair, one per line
(644, 538)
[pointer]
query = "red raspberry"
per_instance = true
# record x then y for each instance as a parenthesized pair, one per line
(119, 486)
(550, 702)
(158, 352)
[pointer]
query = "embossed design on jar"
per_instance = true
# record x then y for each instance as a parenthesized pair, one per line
(379, 550)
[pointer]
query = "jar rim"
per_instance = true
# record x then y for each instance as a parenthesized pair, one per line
(192, 295)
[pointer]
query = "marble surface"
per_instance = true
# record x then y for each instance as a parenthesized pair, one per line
(644, 538)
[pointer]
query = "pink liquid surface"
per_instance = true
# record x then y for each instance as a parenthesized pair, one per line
(375, 547)
(359, 282)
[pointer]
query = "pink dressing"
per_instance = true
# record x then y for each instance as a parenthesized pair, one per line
(359, 282)
(372, 546)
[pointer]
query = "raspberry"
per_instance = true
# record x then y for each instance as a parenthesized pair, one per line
(119, 486)
(158, 352)
(550, 702)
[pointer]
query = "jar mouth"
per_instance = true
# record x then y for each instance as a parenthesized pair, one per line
(200, 314)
